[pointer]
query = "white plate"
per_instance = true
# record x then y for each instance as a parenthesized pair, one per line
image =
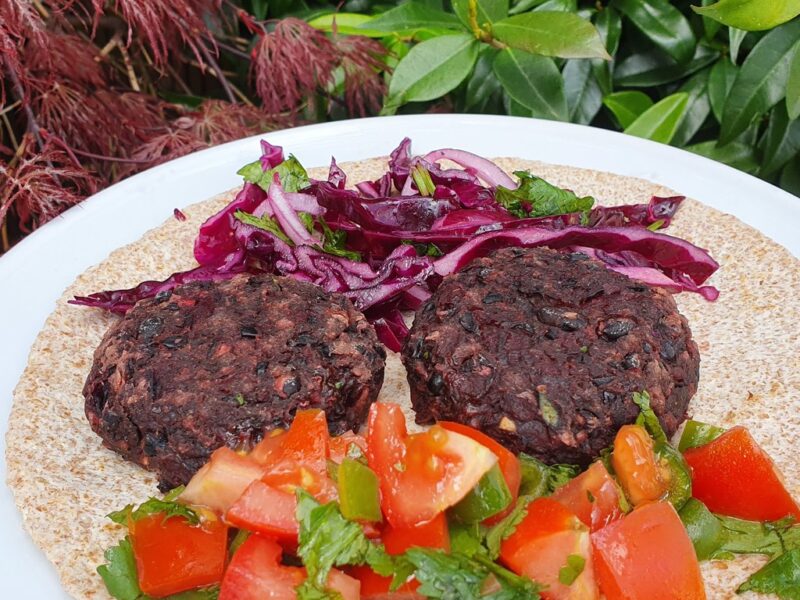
(34, 274)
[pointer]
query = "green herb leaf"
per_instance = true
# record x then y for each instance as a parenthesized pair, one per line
(265, 222)
(663, 24)
(752, 537)
(431, 69)
(648, 419)
(329, 540)
(560, 34)
(761, 82)
(497, 533)
(167, 505)
(335, 242)
(292, 174)
(793, 87)
(781, 576)
(535, 197)
(720, 82)
(627, 106)
(466, 538)
(736, 154)
(572, 570)
(119, 572)
(751, 15)
(488, 11)
(532, 81)
(583, 93)
(696, 433)
(660, 122)
(735, 39)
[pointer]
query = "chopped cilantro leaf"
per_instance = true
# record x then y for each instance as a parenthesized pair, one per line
(334, 242)
(648, 419)
(781, 576)
(168, 506)
(753, 537)
(496, 534)
(266, 223)
(292, 174)
(535, 197)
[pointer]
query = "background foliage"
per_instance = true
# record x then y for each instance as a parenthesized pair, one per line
(92, 91)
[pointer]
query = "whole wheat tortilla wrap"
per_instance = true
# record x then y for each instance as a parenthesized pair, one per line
(65, 482)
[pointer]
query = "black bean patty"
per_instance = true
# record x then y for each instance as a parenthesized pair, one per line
(215, 364)
(543, 350)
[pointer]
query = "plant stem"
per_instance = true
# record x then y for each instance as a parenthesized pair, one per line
(226, 86)
(4, 236)
(33, 124)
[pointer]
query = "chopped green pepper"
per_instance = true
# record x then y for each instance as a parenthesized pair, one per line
(486, 499)
(697, 434)
(359, 499)
(704, 529)
(680, 478)
(535, 477)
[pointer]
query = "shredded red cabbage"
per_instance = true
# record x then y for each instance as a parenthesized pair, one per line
(415, 224)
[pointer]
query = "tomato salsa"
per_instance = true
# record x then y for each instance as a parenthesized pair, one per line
(451, 513)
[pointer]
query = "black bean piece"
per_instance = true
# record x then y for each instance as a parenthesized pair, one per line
(617, 328)
(668, 351)
(291, 386)
(467, 321)
(150, 327)
(631, 361)
(248, 331)
(435, 383)
(261, 368)
(173, 342)
(492, 298)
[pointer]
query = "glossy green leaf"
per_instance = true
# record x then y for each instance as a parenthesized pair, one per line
(431, 69)
(790, 176)
(483, 83)
(736, 154)
(514, 108)
(551, 34)
(761, 82)
(584, 97)
(720, 82)
(781, 141)
(663, 24)
(533, 81)
(558, 5)
(346, 24)
(627, 106)
(650, 69)
(660, 122)
(751, 15)
(525, 6)
(793, 86)
(697, 110)
(609, 26)
(488, 11)
(735, 39)
(412, 16)
(710, 26)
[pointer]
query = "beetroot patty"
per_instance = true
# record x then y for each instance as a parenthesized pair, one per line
(214, 364)
(543, 350)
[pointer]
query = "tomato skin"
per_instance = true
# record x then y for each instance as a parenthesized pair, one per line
(221, 480)
(647, 555)
(255, 573)
(732, 475)
(509, 463)
(423, 474)
(597, 482)
(161, 549)
(341, 443)
(376, 587)
(636, 465)
(307, 442)
(266, 510)
(541, 544)
(348, 587)
(433, 534)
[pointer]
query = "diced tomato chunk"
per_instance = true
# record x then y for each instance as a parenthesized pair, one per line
(593, 496)
(307, 441)
(267, 510)
(636, 465)
(433, 534)
(255, 573)
(221, 480)
(348, 587)
(647, 555)
(376, 587)
(732, 475)
(268, 450)
(552, 546)
(161, 548)
(423, 474)
(340, 445)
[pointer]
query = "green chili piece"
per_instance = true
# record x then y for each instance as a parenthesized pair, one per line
(359, 499)
(535, 477)
(486, 499)
(680, 478)
(704, 529)
(697, 434)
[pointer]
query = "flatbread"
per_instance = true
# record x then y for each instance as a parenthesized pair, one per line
(64, 482)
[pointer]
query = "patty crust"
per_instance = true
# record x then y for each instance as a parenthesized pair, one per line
(543, 351)
(218, 363)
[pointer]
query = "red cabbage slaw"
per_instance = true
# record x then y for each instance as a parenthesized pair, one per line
(387, 243)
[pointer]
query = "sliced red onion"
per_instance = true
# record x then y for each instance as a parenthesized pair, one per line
(287, 217)
(482, 167)
(304, 203)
